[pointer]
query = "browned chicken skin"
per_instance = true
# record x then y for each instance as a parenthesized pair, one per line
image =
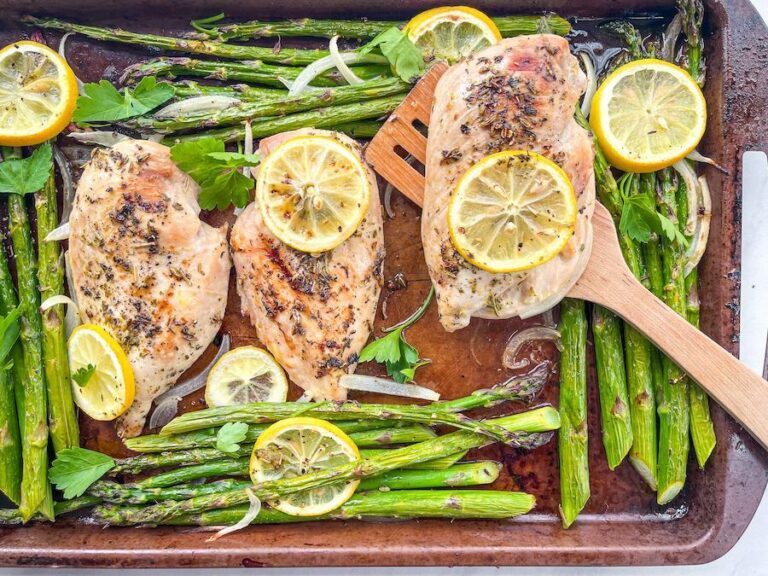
(518, 94)
(313, 313)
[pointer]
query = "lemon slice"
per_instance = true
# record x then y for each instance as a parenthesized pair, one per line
(512, 211)
(452, 32)
(313, 192)
(297, 446)
(647, 115)
(110, 389)
(243, 375)
(38, 93)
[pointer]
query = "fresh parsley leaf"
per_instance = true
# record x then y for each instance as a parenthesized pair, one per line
(216, 171)
(230, 435)
(27, 175)
(75, 469)
(640, 219)
(404, 55)
(10, 326)
(103, 103)
(84, 374)
(398, 356)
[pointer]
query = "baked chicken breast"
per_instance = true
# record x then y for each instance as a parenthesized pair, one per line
(145, 267)
(519, 94)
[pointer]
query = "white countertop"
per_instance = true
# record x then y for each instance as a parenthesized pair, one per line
(748, 558)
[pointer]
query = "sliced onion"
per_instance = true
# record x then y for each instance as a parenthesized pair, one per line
(167, 404)
(523, 337)
(324, 64)
(63, 54)
(197, 105)
(55, 301)
(548, 318)
(671, 35)
(253, 511)
(701, 234)
(696, 156)
(688, 174)
(69, 187)
(98, 137)
(58, 234)
(77, 155)
(472, 344)
(341, 66)
(388, 200)
(589, 67)
(386, 386)
(247, 149)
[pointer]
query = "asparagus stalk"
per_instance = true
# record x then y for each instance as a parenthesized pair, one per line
(291, 56)
(674, 413)
(612, 385)
(470, 474)
(115, 493)
(191, 457)
(10, 441)
(365, 29)
(534, 423)
(238, 467)
(333, 117)
(10, 517)
(62, 417)
(12, 465)
(516, 389)
(34, 487)
(702, 429)
(436, 464)
(236, 114)
(255, 71)
(573, 436)
(404, 504)
(246, 93)
(370, 433)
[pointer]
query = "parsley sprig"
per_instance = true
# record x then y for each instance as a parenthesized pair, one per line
(230, 435)
(75, 469)
(639, 217)
(405, 57)
(83, 375)
(27, 175)
(102, 102)
(400, 358)
(216, 171)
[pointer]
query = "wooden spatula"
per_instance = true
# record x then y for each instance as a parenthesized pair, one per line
(606, 281)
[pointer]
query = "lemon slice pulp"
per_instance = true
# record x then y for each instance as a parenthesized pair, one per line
(313, 192)
(512, 211)
(297, 446)
(38, 93)
(647, 115)
(452, 32)
(110, 389)
(244, 375)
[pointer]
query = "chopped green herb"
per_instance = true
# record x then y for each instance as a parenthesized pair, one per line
(216, 171)
(640, 219)
(75, 469)
(400, 358)
(405, 57)
(27, 175)
(230, 435)
(84, 374)
(103, 103)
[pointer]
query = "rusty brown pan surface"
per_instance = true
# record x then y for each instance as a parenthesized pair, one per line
(621, 524)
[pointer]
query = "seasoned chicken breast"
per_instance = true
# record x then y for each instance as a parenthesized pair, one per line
(145, 267)
(313, 313)
(518, 94)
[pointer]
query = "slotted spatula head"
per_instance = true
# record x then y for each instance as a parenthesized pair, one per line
(400, 136)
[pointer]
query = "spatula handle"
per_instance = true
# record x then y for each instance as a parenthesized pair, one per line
(741, 392)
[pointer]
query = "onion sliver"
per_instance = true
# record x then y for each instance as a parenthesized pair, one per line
(697, 156)
(386, 386)
(671, 35)
(698, 243)
(69, 187)
(341, 66)
(589, 67)
(523, 337)
(327, 63)
(98, 137)
(63, 54)
(196, 105)
(253, 511)
(58, 234)
(72, 318)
